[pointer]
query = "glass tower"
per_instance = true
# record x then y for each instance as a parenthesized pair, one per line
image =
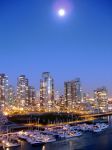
(46, 91)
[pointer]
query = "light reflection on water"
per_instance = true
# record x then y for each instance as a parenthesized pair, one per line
(43, 148)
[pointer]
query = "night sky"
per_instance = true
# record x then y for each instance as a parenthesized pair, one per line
(34, 39)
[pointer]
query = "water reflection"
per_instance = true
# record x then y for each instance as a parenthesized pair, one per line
(43, 148)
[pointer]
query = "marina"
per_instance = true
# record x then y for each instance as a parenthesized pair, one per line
(50, 135)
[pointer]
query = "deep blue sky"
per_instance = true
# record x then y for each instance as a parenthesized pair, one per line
(34, 39)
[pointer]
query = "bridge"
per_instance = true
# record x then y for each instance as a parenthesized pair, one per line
(98, 115)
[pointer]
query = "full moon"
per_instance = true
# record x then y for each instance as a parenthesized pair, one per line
(61, 12)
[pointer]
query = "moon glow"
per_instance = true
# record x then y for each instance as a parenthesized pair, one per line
(61, 12)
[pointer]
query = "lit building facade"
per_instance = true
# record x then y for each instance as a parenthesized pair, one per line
(68, 94)
(31, 96)
(77, 90)
(3, 89)
(11, 95)
(101, 98)
(22, 91)
(46, 91)
(57, 97)
(72, 92)
(62, 103)
(110, 104)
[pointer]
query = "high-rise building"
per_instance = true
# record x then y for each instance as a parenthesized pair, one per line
(57, 97)
(31, 96)
(3, 89)
(68, 94)
(72, 91)
(11, 95)
(62, 103)
(77, 90)
(22, 91)
(84, 97)
(101, 98)
(110, 104)
(46, 91)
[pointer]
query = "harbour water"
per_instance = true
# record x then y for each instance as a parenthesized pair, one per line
(88, 141)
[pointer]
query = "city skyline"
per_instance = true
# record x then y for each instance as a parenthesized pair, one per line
(56, 88)
(24, 97)
(33, 39)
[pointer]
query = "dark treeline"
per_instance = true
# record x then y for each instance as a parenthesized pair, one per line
(45, 118)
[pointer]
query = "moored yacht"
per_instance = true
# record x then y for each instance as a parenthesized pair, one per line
(77, 133)
(69, 135)
(49, 139)
(22, 135)
(33, 141)
(97, 130)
